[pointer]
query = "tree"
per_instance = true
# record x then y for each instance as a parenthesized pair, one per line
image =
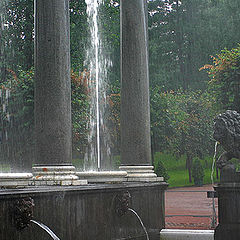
(181, 122)
(224, 81)
(183, 35)
(17, 34)
(78, 33)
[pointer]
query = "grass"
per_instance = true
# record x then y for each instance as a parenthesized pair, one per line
(177, 171)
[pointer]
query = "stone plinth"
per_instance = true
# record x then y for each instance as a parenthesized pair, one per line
(103, 176)
(15, 180)
(56, 175)
(140, 174)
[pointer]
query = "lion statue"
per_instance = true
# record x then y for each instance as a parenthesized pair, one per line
(227, 133)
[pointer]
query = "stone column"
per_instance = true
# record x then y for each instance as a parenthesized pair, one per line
(53, 90)
(135, 107)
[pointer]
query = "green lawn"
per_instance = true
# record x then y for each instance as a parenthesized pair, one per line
(178, 173)
(179, 178)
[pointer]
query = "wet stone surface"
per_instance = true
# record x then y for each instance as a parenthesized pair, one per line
(86, 212)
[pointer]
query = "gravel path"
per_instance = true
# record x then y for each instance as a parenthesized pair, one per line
(189, 208)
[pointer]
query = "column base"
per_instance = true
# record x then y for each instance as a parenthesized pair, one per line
(15, 180)
(56, 175)
(140, 174)
(103, 176)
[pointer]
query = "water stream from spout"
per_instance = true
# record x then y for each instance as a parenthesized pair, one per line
(213, 162)
(214, 214)
(140, 220)
(47, 229)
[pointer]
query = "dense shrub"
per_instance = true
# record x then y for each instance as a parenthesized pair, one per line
(160, 170)
(197, 172)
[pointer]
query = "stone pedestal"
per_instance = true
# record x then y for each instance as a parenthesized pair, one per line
(15, 180)
(103, 176)
(228, 192)
(56, 175)
(142, 173)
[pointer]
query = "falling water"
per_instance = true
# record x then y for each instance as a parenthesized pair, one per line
(213, 162)
(98, 64)
(16, 125)
(140, 220)
(92, 11)
(214, 214)
(47, 229)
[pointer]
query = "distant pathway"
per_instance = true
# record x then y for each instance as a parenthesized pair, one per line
(189, 208)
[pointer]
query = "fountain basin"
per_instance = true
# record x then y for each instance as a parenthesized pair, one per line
(86, 212)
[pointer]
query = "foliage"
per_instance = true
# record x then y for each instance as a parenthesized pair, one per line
(80, 111)
(17, 115)
(225, 79)
(17, 119)
(182, 36)
(182, 123)
(197, 172)
(176, 169)
(78, 33)
(160, 170)
(16, 35)
(171, 162)
(109, 28)
(114, 118)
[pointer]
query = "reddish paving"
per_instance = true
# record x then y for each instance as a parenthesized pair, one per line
(189, 208)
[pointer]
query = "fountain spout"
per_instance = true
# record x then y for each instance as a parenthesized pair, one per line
(122, 203)
(23, 212)
(122, 207)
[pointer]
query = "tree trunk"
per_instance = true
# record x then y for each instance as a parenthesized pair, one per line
(189, 167)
